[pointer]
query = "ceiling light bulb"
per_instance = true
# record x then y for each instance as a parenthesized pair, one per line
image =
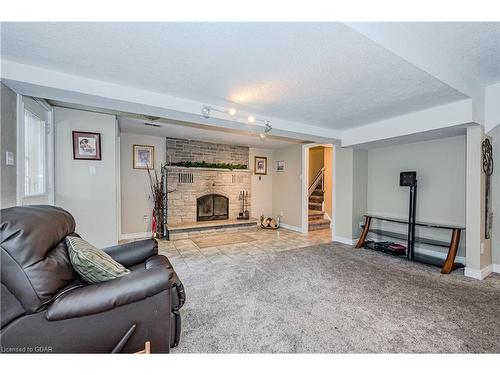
(205, 111)
(251, 119)
(232, 112)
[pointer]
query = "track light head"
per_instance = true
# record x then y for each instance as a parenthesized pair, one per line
(268, 127)
(205, 111)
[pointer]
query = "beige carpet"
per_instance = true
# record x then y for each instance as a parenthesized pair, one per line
(221, 239)
(333, 298)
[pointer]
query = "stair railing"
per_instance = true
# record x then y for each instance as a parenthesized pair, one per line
(319, 179)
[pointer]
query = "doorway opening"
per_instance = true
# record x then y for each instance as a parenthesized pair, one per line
(319, 193)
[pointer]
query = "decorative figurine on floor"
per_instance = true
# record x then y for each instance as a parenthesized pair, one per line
(269, 223)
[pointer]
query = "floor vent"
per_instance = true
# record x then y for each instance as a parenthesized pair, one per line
(186, 178)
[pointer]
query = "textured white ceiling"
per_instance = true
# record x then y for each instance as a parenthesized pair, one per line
(323, 74)
(473, 48)
(137, 126)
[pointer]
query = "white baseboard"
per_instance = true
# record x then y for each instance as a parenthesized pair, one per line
(329, 218)
(135, 236)
(344, 240)
(496, 268)
(478, 274)
(291, 227)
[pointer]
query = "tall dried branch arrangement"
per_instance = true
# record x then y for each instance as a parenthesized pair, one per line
(157, 189)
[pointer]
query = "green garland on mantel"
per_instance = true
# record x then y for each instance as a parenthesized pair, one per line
(202, 164)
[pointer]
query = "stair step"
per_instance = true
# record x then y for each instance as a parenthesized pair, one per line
(315, 206)
(319, 193)
(319, 221)
(316, 198)
(319, 224)
(316, 214)
(319, 227)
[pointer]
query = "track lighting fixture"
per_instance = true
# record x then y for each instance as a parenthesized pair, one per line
(206, 112)
(267, 129)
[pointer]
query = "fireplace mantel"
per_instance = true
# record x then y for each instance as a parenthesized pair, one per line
(172, 168)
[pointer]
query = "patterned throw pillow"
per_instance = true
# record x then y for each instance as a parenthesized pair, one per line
(92, 264)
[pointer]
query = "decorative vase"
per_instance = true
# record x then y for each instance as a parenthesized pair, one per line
(159, 224)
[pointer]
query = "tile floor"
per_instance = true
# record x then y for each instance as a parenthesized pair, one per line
(185, 254)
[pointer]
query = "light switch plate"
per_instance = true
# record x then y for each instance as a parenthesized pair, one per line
(92, 169)
(9, 158)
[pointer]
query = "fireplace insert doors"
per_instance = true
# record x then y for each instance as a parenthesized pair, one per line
(212, 207)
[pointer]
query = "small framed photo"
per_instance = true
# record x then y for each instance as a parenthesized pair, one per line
(260, 165)
(144, 157)
(86, 146)
(280, 166)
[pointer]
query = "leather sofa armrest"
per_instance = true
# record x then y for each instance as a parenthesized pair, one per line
(133, 253)
(97, 298)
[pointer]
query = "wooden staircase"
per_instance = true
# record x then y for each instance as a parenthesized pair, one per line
(317, 219)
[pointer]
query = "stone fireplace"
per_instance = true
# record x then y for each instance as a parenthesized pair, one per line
(212, 207)
(204, 195)
(190, 184)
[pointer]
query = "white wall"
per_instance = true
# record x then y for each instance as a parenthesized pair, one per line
(350, 200)
(261, 201)
(360, 190)
(492, 125)
(90, 197)
(478, 248)
(287, 186)
(136, 199)
(441, 174)
(342, 200)
(440, 167)
(495, 198)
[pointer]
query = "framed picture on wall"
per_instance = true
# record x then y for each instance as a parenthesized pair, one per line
(86, 146)
(280, 166)
(260, 165)
(144, 157)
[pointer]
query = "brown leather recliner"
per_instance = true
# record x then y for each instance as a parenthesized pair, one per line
(47, 307)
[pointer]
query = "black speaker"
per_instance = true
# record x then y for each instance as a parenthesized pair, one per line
(408, 179)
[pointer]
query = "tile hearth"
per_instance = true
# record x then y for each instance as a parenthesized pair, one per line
(188, 230)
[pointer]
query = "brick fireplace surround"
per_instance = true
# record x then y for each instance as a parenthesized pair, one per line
(191, 183)
(182, 202)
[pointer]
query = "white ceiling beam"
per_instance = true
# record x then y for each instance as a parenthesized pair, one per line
(491, 107)
(39, 82)
(454, 114)
(414, 50)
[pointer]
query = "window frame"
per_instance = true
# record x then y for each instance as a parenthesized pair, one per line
(45, 169)
(45, 112)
